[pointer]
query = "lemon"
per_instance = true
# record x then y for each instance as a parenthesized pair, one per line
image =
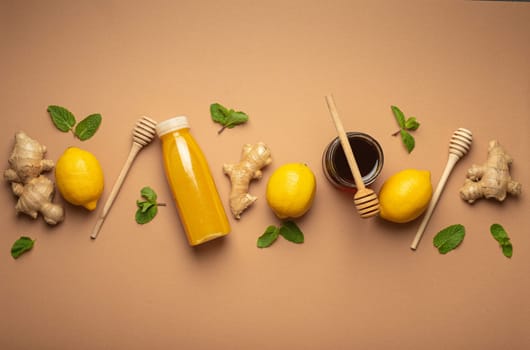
(79, 177)
(290, 190)
(405, 195)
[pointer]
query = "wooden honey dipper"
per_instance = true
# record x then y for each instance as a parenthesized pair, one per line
(365, 199)
(143, 133)
(458, 146)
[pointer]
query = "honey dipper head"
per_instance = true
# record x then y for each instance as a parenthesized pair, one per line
(366, 202)
(144, 131)
(460, 142)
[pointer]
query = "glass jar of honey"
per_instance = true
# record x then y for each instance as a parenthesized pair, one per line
(368, 154)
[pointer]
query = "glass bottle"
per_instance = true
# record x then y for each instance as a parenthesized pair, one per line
(196, 197)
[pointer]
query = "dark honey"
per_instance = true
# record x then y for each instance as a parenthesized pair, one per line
(365, 154)
(368, 154)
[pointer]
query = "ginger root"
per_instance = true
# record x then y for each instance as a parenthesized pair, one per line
(491, 180)
(253, 159)
(34, 190)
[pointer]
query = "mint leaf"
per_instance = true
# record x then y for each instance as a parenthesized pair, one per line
(499, 233)
(235, 118)
(88, 127)
(148, 193)
(400, 117)
(147, 209)
(227, 118)
(62, 118)
(507, 250)
(408, 140)
(21, 245)
(219, 113)
(268, 237)
(291, 232)
(412, 124)
(144, 206)
(143, 217)
(449, 238)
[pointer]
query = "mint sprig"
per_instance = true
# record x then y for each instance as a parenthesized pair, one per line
(405, 125)
(288, 230)
(228, 118)
(499, 233)
(64, 120)
(148, 208)
(21, 245)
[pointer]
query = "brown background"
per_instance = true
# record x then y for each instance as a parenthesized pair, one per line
(354, 283)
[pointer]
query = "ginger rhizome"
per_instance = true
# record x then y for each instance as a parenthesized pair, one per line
(253, 159)
(492, 179)
(34, 191)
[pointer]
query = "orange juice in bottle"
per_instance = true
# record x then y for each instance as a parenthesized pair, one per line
(200, 209)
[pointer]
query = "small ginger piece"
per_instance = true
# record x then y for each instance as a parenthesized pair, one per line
(27, 160)
(253, 159)
(491, 180)
(36, 196)
(34, 190)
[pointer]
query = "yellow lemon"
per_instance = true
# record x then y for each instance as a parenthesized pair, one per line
(405, 195)
(79, 177)
(290, 190)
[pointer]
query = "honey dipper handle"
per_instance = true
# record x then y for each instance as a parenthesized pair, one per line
(434, 200)
(116, 189)
(458, 147)
(345, 144)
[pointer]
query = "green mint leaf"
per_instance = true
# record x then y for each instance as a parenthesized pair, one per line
(21, 245)
(219, 113)
(62, 118)
(507, 250)
(236, 118)
(147, 209)
(412, 124)
(408, 140)
(227, 118)
(268, 237)
(149, 194)
(88, 127)
(144, 206)
(449, 238)
(499, 233)
(291, 232)
(144, 217)
(400, 117)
